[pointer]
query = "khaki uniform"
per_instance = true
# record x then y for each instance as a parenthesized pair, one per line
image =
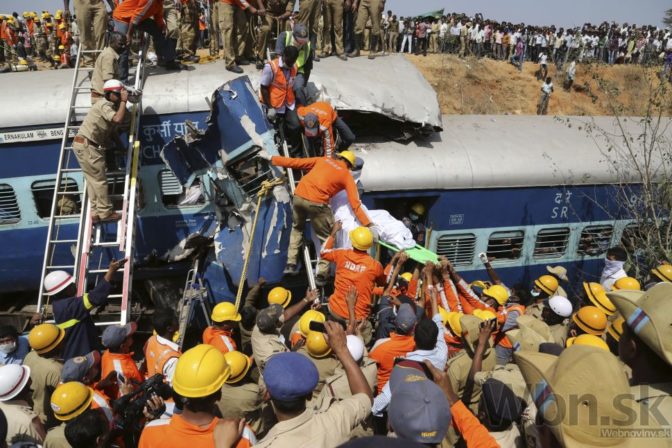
(333, 21)
(214, 28)
(559, 332)
(19, 419)
(106, 68)
(96, 129)
(535, 310)
(264, 346)
(368, 9)
(56, 438)
(188, 27)
(325, 368)
(319, 428)
(658, 395)
(393, 36)
(242, 401)
(458, 370)
(232, 25)
(509, 375)
(271, 27)
(309, 15)
(171, 17)
(46, 375)
(92, 23)
(337, 388)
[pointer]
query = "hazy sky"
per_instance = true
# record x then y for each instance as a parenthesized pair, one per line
(541, 12)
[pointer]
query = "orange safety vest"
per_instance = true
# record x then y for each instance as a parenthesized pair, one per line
(280, 90)
(220, 339)
(100, 401)
(157, 355)
(123, 364)
(500, 337)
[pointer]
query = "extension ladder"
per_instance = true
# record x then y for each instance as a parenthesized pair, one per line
(74, 243)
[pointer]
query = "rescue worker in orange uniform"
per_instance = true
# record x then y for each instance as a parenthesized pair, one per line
(161, 353)
(324, 179)
(319, 120)
(118, 360)
(277, 94)
(225, 319)
(200, 374)
(354, 267)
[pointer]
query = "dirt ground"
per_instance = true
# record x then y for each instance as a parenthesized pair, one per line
(485, 86)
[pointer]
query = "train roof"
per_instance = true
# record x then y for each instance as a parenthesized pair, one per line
(390, 85)
(481, 151)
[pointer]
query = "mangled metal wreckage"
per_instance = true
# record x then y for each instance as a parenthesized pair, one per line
(225, 155)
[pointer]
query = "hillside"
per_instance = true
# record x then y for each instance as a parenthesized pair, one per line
(484, 86)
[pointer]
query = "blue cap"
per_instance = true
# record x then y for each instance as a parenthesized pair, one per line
(289, 376)
(406, 319)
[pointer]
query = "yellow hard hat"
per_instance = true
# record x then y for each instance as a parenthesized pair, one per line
(57, 58)
(280, 296)
(349, 156)
(454, 322)
(61, 26)
(588, 339)
(200, 372)
(317, 345)
(239, 364)
(50, 25)
(61, 47)
(591, 319)
(225, 311)
(44, 338)
(615, 328)
(547, 283)
(418, 209)
(444, 315)
(45, 15)
(26, 14)
(598, 296)
(59, 14)
(362, 238)
(479, 284)
(308, 317)
(484, 314)
(2, 17)
(22, 61)
(626, 283)
(70, 400)
(663, 272)
(497, 292)
(407, 276)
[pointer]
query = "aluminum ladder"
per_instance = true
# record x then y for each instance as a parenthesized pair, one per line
(73, 243)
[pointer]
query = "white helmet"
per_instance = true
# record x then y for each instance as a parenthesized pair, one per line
(560, 306)
(13, 379)
(112, 85)
(355, 347)
(56, 282)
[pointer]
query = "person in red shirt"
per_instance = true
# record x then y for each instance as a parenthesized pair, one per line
(324, 179)
(354, 267)
(147, 16)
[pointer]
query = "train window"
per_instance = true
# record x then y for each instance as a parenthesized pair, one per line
(250, 172)
(458, 248)
(595, 240)
(505, 245)
(551, 243)
(9, 207)
(173, 193)
(631, 238)
(43, 194)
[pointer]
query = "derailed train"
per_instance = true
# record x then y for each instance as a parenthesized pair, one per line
(529, 191)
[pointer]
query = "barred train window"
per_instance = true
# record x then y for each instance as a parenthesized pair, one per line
(551, 243)
(459, 249)
(173, 193)
(595, 240)
(9, 207)
(505, 245)
(43, 195)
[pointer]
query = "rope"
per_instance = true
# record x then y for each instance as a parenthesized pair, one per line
(266, 187)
